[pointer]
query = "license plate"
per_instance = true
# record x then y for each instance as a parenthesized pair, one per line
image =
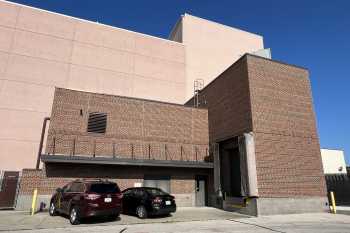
(108, 199)
(168, 202)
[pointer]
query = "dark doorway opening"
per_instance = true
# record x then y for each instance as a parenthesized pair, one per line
(230, 172)
(8, 189)
(201, 190)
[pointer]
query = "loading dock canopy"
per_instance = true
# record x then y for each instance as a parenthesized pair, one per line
(124, 161)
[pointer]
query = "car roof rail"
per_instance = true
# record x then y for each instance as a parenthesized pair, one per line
(93, 179)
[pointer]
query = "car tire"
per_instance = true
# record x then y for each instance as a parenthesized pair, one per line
(74, 216)
(52, 209)
(114, 216)
(141, 212)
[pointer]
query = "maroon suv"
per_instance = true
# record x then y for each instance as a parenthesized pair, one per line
(87, 198)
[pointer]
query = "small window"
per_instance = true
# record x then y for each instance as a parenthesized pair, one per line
(97, 122)
(104, 188)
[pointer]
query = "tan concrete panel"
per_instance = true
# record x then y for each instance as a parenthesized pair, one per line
(115, 60)
(115, 83)
(21, 125)
(16, 155)
(101, 81)
(88, 33)
(1, 83)
(42, 46)
(36, 70)
(159, 90)
(6, 36)
(18, 95)
(106, 36)
(44, 22)
(3, 61)
(159, 69)
(83, 78)
(213, 47)
(159, 48)
(8, 14)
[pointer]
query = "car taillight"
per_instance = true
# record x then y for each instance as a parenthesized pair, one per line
(157, 200)
(92, 196)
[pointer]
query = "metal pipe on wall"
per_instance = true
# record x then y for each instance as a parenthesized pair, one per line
(43, 130)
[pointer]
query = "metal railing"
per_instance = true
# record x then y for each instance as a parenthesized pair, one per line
(135, 149)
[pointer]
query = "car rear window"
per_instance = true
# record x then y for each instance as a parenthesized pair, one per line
(156, 192)
(104, 188)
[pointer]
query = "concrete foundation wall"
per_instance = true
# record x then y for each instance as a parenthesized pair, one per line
(24, 202)
(270, 206)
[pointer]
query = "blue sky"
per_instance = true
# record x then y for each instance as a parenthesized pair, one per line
(314, 34)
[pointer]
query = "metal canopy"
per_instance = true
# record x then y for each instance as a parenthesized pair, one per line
(124, 161)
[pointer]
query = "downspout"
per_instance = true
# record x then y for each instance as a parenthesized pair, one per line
(46, 119)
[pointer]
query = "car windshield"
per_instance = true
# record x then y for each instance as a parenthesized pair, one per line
(156, 191)
(104, 188)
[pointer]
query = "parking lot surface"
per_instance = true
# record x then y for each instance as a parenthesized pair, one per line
(189, 220)
(14, 220)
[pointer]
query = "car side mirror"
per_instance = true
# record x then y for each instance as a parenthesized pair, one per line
(59, 190)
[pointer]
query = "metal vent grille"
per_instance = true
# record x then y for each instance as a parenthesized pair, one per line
(97, 122)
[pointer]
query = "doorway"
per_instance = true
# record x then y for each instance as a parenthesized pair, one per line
(230, 168)
(201, 191)
(8, 189)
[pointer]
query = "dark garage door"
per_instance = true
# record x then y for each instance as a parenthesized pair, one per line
(8, 189)
(162, 182)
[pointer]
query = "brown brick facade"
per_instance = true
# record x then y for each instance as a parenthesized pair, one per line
(287, 147)
(272, 100)
(57, 175)
(135, 128)
(228, 102)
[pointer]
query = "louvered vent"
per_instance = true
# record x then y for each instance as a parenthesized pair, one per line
(97, 122)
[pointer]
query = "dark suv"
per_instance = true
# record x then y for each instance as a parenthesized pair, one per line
(147, 201)
(87, 198)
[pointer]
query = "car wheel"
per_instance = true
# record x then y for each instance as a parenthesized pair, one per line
(114, 216)
(141, 212)
(74, 216)
(52, 210)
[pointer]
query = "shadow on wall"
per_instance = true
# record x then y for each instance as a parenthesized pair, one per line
(118, 172)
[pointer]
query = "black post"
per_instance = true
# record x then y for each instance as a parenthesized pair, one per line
(132, 151)
(54, 146)
(166, 152)
(73, 149)
(149, 151)
(46, 119)
(94, 149)
(181, 153)
(113, 149)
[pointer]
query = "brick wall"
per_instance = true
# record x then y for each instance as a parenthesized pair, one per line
(32, 179)
(273, 100)
(288, 155)
(228, 102)
(139, 128)
(57, 175)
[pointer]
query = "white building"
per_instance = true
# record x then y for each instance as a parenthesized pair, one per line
(333, 161)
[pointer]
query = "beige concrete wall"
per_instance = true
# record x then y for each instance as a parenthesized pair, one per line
(333, 161)
(40, 50)
(211, 48)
